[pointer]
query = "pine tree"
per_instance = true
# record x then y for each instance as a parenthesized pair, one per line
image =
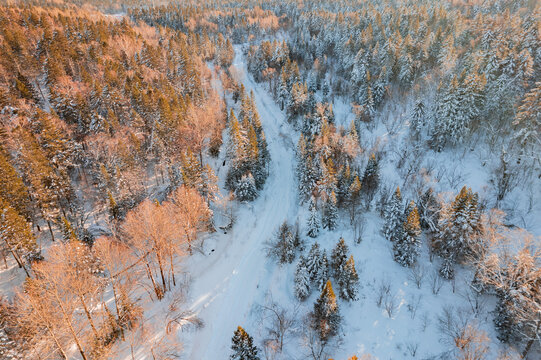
(330, 212)
(370, 180)
(326, 315)
(313, 224)
(417, 118)
(323, 271)
(12, 188)
(392, 229)
(339, 257)
(243, 346)
(528, 121)
(313, 261)
(246, 189)
(348, 281)
(406, 248)
(302, 280)
(459, 226)
(114, 210)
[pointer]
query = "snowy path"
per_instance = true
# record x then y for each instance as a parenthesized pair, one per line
(227, 283)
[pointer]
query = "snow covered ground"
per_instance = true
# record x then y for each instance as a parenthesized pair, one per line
(232, 276)
(236, 275)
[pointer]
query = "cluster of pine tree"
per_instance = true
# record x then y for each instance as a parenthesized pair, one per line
(315, 270)
(246, 150)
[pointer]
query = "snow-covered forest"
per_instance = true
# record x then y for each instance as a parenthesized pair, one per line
(270, 179)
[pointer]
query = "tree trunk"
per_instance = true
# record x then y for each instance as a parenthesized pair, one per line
(89, 317)
(50, 229)
(531, 341)
(72, 330)
(16, 257)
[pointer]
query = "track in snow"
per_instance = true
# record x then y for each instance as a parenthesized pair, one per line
(229, 282)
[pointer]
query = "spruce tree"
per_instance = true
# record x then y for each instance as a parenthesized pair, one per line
(313, 261)
(323, 271)
(302, 280)
(348, 281)
(370, 180)
(392, 229)
(243, 346)
(330, 212)
(12, 188)
(313, 224)
(406, 248)
(326, 315)
(246, 189)
(339, 257)
(417, 118)
(459, 226)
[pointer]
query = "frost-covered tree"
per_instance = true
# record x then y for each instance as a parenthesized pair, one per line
(330, 212)
(370, 180)
(339, 257)
(326, 316)
(243, 346)
(348, 281)
(313, 261)
(459, 227)
(406, 248)
(429, 209)
(528, 121)
(313, 224)
(323, 271)
(246, 189)
(394, 217)
(417, 118)
(302, 280)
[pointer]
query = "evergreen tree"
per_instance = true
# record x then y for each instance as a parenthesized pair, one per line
(246, 189)
(302, 280)
(528, 121)
(417, 118)
(243, 346)
(313, 261)
(313, 224)
(459, 226)
(406, 248)
(326, 315)
(12, 188)
(354, 197)
(339, 257)
(394, 219)
(323, 271)
(370, 180)
(330, 212)
(348, 281)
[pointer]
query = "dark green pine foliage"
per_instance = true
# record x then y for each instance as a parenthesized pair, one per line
(243, 346)
(406, 248)
(326, 315)
(302, 280)
(313, 225)
(348, 281)
(370, 180)
(460, 225)
(313, 261)
(394, 217)
(339, 257)
(330, 212)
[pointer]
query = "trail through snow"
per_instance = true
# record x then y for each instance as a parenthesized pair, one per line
(229, 282)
